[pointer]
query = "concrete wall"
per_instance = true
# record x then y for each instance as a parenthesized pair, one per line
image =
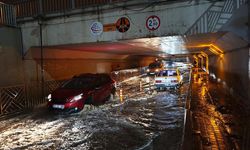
(239, 23)
(233, 68)
(174, 19)
(63, 64)
(14, 70)
(66, 68)
(11, 66)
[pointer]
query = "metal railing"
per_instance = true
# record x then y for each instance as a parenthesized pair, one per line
(12, 99)
(240, 2)
(31, 8)
(122, 75)
(19, 98)
(34, 94)
(7, 15)
(215, 16)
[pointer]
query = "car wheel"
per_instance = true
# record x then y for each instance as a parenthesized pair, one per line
(113, 91)
(110, 97)
(81, 108)
(89, 100)
(50, 109)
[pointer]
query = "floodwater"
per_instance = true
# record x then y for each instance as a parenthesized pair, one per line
(142, 120)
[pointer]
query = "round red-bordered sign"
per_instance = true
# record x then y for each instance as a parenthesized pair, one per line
(153, 22)
(122, 24)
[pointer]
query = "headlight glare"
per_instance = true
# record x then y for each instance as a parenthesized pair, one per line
(76, 98)
(49, 97)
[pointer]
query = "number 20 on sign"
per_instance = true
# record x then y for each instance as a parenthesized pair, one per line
(153, 22)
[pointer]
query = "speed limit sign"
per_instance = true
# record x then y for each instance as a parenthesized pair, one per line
(153, 22)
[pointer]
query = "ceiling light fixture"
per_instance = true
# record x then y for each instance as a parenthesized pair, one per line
(211, 47)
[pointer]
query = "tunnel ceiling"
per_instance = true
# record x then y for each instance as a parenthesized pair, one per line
(154, 46)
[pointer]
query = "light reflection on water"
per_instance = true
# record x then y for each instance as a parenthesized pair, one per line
(145, 121)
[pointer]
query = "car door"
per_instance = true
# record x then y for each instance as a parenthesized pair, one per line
(101, 90)
(106, 87)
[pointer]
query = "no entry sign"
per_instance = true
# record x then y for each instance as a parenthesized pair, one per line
(153, 22)
(122, 24)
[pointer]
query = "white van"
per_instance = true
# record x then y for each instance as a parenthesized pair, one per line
(168, 78)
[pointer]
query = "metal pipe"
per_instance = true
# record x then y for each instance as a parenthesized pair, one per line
(73, 6)
(41, 57)
(21, 41)
(40, 7)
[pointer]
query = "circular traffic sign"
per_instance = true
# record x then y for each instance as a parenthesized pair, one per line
(122, 24)
(153, 22)
(96, 28)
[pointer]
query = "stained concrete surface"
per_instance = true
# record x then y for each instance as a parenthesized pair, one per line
(215, 120)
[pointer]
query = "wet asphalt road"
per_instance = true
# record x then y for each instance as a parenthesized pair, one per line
(144, 119)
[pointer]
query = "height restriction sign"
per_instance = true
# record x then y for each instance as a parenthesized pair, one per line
(153, 22)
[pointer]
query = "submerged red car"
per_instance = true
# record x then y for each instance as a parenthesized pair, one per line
(81, 90)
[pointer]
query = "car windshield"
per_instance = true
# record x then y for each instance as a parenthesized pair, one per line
(155, 65)
(79, 83)
(167, 73)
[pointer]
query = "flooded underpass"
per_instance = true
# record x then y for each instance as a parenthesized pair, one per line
(137, 118)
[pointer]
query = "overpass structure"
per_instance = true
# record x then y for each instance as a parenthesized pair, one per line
(59, 38)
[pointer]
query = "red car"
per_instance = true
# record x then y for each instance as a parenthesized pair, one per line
(81, 90)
